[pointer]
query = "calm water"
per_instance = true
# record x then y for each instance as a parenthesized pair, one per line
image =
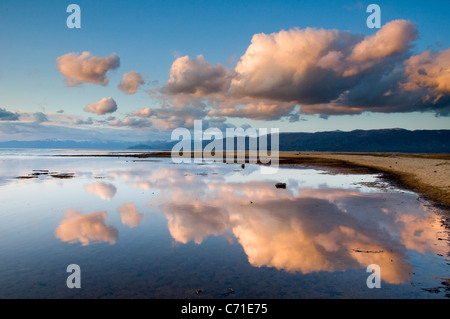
(154, 229)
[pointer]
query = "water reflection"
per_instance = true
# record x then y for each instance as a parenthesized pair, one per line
(102, 190)
(304, 228)
(303, 234)
(76, 227)
(210, 227)
(307, 231)
(129, 215)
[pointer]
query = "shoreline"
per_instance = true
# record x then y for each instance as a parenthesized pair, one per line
(426, 174)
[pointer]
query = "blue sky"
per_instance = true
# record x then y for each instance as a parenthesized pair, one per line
(149, 36)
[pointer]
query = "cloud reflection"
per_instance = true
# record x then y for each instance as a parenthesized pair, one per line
(129, 215)
(103, 190)
(312, 230)
(76, 227)
(296, 229)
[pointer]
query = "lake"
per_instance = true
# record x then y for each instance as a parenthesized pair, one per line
(149, 228)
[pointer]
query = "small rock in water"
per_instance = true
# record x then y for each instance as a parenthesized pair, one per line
(280, 185)
(63, 175)
(26, 177)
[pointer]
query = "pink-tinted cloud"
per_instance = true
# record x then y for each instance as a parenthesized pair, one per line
(195, 221)
(130, 82)
(131, 122)
(430, 71)
(393, 38)
(105, 105)
(255, 111)
(86, 67)
(144, 112)
(197, 77)
(129, 215)
(76, 227)
(102, 190)
(327, 72)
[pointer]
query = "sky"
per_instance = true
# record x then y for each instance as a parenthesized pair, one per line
(137, 70)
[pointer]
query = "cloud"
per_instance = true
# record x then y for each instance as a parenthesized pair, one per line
(105, 105)
(131, 122)
(86, 67)
(61, 127)
(76, 227)
(23, 117)
(144, 112)
(166, 117)
(40, 117)
(393, 38)
(255, 111)
(129, 215)
(197, 77)
(130, 82)
(102, 190)
(6, 115)
(326, 72)
(429, 71)
(284, 66)
(313, 67)
(78, 121)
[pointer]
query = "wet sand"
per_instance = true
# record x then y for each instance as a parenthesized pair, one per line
(426, 174)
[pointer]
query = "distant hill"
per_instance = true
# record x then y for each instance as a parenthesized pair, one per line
(385, 140)
(67, 144)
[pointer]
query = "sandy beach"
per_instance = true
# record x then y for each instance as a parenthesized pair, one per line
(427, 174)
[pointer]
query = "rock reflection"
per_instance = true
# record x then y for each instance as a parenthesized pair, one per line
(76, 227)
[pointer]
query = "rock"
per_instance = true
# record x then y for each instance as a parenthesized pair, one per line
(63, 175)
(26, 177)
(280, 185)
(37, 172)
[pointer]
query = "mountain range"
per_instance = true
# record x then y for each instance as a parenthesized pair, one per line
(382, 140)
